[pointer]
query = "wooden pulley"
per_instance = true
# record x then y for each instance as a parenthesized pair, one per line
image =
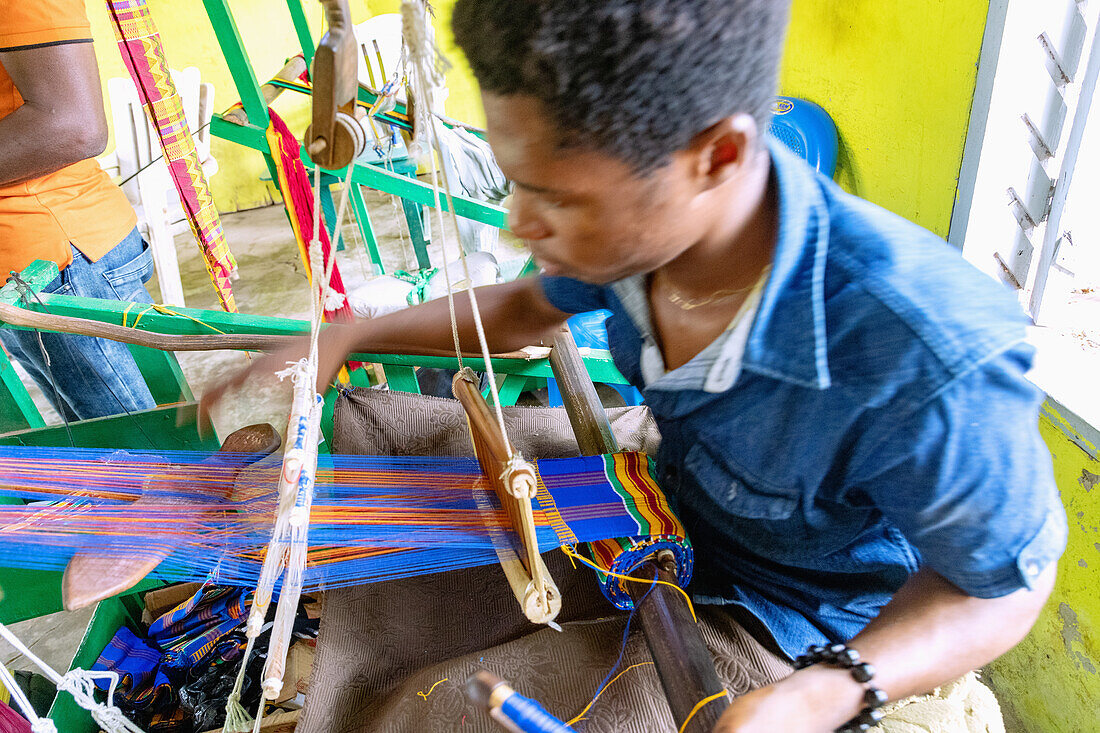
(335, 137)
(347, 142)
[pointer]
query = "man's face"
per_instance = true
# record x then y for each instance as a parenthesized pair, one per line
(585, 214)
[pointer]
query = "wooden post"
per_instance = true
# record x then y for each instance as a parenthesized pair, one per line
(684, 663)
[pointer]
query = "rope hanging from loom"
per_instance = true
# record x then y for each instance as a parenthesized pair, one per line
(78, 683)
(506, 469)
(143, 53)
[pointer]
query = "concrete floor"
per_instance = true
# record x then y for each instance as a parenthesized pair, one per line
(272, 283)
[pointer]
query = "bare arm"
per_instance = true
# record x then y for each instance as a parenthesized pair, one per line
(61, 120)
(514, 314)
(928, 634)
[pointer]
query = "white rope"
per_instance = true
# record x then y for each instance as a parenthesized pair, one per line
(427, 67)
(287, 549)
(78, 683)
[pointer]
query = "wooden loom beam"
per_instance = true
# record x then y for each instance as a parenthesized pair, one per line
(683, 661)
(515, 483)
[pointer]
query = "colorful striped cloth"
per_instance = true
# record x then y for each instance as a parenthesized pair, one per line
(180, 640)
(579, 503)
(190, 631)
(140, 45)
(142, 682)
(294, 185)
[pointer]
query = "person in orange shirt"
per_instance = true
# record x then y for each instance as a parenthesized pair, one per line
(57, 204)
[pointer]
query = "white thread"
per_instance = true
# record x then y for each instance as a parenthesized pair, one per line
(286, 551)
(427, 67)
(80, 684)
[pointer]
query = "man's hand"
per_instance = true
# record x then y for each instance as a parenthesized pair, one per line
(61, 120)
(514, 314)
(332, 351)
(930, 633)
(813, 700)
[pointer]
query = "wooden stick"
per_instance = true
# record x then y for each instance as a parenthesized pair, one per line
(515, 483)
(684, 663)
(16, 316)
(26, 318)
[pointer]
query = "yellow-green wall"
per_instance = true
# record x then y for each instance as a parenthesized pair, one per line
(1051, 681)
(897, 76)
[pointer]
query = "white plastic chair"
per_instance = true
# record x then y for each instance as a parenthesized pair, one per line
(151, 191)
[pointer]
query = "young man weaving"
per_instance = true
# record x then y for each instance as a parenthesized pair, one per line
(847, 431)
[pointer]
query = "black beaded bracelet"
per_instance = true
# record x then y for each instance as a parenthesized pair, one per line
(840, 655)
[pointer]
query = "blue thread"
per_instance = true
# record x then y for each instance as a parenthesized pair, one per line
(530, 717)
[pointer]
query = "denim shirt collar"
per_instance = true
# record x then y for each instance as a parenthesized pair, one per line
(788, 338)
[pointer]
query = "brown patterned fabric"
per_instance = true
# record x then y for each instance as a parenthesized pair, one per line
(383, 647)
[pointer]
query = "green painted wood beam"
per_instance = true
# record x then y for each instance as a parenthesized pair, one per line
(37, 275)
(173, 427)
(599, 362)
(236, 57)
(301, 28)
(375, 177)
(17, 409)
(34, 593)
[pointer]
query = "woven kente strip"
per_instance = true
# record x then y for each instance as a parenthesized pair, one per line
(142, 52)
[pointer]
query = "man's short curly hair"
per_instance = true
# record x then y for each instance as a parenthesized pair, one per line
(634, 78)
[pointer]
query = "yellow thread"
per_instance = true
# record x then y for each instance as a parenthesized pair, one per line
(571, 553)
(431, 689)
(699, 706)
(168, 312)
(580, 715)
(139, 315)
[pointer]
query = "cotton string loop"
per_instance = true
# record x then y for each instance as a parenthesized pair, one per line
(79, 684)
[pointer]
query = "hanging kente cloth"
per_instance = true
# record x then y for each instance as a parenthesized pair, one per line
(140, 45)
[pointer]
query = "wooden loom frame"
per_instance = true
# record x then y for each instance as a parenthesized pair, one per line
(684, 664)
(253, 134)
(175, 402)
(683, 660)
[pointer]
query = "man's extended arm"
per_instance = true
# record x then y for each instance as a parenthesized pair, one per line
(928, 634)
(61, 120)
(514, 314)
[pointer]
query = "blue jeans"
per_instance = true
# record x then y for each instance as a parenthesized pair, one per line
(92, 377)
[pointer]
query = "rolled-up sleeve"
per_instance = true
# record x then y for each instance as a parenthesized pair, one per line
(969, 482)
(572, 296)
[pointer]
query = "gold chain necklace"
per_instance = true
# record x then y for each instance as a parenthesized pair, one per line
(673, 296)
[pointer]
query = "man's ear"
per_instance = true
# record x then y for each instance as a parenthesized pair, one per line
(724, 150)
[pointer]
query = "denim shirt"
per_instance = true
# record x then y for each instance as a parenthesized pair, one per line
(881, 421)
